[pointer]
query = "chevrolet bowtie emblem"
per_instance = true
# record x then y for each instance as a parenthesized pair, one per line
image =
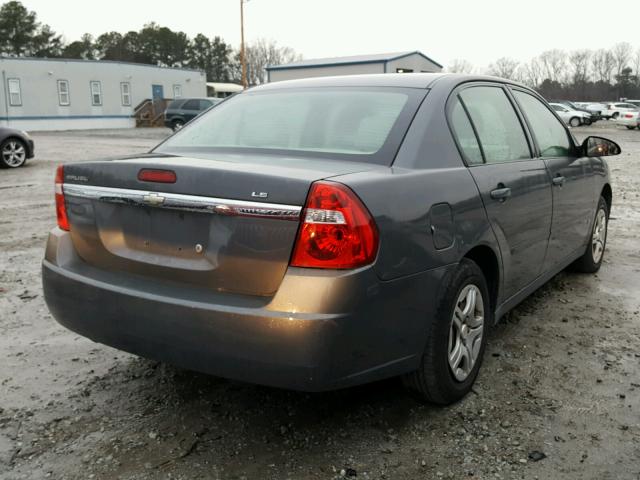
(153, 199)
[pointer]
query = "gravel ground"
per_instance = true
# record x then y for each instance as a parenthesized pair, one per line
(557, 397)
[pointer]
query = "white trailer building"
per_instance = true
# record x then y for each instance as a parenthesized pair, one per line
(398, 62)
(63, 94)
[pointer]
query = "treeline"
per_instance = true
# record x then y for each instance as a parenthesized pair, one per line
(589, 75)
(21, 35)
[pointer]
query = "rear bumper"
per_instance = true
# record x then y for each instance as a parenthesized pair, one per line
(322, 330)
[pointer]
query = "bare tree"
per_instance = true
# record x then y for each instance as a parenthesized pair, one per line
(460, 65)
(554, 65)
(636, 66)
(263, 53)
(579, 64)
(530, 73)
(504, 67)
(621, 55)
(602, 62)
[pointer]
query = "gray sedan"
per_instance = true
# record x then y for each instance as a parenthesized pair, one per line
(322, 233)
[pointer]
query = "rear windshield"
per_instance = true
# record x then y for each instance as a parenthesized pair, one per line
(353, 123)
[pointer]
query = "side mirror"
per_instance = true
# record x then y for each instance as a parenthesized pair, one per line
(600, 147)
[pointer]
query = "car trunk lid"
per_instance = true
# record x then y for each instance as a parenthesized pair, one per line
(224, 224)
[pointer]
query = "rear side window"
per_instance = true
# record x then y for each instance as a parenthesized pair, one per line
(499, 130)
(464, 134)
(175, 104)
(191, 105)
(552, 137)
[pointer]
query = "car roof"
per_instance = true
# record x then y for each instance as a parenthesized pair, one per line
(407, 80)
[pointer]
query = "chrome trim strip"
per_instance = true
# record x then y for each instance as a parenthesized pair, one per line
(189, 203)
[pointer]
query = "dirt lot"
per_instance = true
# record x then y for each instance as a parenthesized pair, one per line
(561, 376)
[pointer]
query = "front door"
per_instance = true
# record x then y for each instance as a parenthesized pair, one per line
(157, 92)
(571, 177)
(515, 188)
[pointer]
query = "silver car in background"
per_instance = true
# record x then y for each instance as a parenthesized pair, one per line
(574, 118)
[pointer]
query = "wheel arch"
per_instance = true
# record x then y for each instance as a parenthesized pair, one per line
(487, 259)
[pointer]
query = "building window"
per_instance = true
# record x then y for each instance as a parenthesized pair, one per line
(15, 94)
(177, 91)
(404, 70)
(125, 93)
(63, 93)
(96, 93)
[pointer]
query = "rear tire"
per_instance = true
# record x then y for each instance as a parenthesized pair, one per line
(436, 380)
(631, 127)
(615, 115)
(587, 121)
(177, 125)
(591, 260)
(574, 122)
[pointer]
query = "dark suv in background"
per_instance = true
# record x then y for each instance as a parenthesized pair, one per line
(183, 110)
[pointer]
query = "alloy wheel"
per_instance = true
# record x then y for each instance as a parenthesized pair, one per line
(465, 335)
(13, 153)
(599, 235)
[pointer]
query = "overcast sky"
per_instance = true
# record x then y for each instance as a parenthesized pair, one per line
(477, 30)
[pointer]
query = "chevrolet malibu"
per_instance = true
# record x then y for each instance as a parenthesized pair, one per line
(321, 233)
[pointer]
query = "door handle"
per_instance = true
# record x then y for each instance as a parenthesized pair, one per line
(558, 181)
(501, 193)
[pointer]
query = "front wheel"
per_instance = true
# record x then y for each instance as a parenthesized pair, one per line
(177, 125)
(591, 260)
(587, 121)
(456, 338)
(13, 153)
(574, 122)
(630, 127)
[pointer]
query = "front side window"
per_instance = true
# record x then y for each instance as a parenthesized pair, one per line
(63, 93)
(15, 93)
(341, 121)
(125, 93)
(464, 134)
(551, 135)
(177, 91)
(96, 93)
(499, 130)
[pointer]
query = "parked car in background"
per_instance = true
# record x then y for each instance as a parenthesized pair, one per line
(631, 120)
(594, 111)
(572, 117)
(183, 110)
(633, 102)
(272, 240)
(16, 147)
(615, 109)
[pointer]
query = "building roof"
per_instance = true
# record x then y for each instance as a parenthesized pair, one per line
(82, 60)
(350, 60)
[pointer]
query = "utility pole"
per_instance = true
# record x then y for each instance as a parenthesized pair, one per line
(243, 59)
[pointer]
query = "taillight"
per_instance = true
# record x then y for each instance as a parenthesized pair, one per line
(158, 176)
(337, 230)
(628, 115)
(61, 209)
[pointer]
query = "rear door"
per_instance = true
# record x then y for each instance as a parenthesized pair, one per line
(571, 176)
(515, 187)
